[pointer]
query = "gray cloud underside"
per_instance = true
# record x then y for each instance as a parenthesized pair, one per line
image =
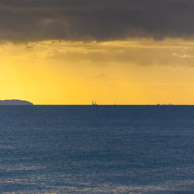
(35, 20)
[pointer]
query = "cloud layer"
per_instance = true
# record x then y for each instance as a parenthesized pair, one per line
(35, 20)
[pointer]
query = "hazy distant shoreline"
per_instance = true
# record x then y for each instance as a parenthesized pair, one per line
(15, 102)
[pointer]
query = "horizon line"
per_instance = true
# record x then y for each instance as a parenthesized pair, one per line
(113, 105)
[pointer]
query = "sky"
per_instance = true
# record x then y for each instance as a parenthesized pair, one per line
(109, 51)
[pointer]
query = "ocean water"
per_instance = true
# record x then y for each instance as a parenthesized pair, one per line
(97, 149)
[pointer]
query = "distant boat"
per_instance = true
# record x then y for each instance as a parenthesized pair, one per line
(165, 104)
(94, 103)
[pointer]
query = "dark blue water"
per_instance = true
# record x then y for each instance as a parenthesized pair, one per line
(97, 149)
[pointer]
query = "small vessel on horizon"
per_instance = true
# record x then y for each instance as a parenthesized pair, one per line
(94, 103)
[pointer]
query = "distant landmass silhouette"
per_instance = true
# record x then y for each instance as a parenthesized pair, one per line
(15, 102)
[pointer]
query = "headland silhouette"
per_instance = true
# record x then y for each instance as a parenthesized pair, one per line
(15, 102)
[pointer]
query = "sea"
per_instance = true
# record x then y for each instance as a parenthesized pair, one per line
(97, 149)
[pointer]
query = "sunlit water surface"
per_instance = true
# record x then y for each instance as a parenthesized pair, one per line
(97, 149)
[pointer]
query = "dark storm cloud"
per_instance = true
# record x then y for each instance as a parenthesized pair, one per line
(33, 20)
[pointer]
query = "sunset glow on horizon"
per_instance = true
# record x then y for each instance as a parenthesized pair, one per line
(133, 71)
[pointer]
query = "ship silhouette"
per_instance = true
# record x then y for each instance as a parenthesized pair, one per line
(94, 103)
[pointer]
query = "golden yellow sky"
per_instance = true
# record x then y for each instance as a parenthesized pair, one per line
(133, 71)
